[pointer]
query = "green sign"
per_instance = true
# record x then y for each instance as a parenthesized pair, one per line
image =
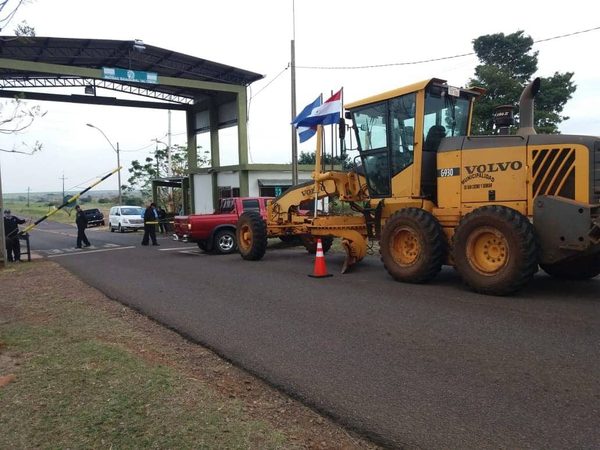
(114, 73)
(278, 191)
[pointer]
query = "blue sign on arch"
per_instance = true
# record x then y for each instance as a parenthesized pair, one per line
(115, 73)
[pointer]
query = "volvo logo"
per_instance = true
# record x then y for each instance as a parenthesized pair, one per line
(494, 167)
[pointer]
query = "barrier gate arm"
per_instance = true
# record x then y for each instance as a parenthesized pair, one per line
(71, 200)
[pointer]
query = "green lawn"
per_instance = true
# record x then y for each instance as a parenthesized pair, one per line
(37, 210)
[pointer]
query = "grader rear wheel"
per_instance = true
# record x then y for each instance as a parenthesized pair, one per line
(495, 250)
(412, 246)
(251, 234)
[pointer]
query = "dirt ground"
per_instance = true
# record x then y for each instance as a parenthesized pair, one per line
(303, 427)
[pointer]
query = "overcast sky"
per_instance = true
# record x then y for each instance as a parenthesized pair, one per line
(255, 35)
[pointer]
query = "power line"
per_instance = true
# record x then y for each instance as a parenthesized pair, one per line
(274, 78)
(423, 61)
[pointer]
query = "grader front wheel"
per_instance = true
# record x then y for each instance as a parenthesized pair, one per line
(412, 246)
(495, 250)
(251, 234)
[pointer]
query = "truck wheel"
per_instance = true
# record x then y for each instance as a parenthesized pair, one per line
(224, 242)
(310, 243)
(251, 236)
(412, 246)
(495, 250)
(578, 269)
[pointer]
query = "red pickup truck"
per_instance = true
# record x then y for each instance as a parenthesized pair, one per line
(216, 232)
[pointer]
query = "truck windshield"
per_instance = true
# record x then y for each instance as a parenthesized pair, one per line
(132, 211)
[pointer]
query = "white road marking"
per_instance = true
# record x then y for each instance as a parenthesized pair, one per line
(194, 252)
(87, 252)
(171, 249)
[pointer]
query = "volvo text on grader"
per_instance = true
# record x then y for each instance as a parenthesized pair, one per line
(494, 207)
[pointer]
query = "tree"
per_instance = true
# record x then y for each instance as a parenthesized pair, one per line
(14, 119)
(14, 116)
(507, 65)
(309, 158)
(24, 30)
(155, 166)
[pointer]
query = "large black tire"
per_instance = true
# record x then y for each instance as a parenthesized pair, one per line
(578, 269)
(310, 243)
(413, 246)
(495, 250)
(224, 242)
(251, 236)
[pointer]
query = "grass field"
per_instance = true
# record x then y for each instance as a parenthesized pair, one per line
(37, 210)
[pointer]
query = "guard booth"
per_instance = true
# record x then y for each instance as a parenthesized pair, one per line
(178, 197)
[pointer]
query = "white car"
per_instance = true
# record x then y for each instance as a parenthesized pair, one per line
(123, 218)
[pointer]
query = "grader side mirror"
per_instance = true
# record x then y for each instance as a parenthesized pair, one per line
(342, 128)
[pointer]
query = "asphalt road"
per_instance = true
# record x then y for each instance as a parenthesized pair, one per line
(418, 366)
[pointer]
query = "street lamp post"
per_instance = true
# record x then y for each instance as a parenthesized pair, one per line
(116, 149)
(168, 149)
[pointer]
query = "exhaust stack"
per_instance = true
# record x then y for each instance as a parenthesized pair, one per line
(526, 108)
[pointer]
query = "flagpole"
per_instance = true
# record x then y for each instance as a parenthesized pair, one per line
(318, 164)
(341, 140)
(332, 139)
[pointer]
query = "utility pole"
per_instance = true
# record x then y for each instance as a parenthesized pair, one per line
(119, 173)
(62, 199)
(157, 159)
(169, 168)
(293, 81)
(28, 190)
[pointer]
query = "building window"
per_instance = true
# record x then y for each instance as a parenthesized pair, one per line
(228, 191)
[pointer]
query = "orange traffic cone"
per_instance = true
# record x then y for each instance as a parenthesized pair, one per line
(320, 269)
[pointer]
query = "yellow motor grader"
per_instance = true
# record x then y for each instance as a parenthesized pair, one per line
(495, 207)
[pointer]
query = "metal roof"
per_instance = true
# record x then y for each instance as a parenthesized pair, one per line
(99, 53)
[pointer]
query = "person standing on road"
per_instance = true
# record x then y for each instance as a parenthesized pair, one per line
(162, 219)
(150, 221)
(11, 236)
(81, 222)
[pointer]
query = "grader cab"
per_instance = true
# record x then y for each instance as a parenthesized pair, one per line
(495, 207)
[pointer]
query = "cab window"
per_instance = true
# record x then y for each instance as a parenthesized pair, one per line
(402, 126)
(250, 205)
(445, 115)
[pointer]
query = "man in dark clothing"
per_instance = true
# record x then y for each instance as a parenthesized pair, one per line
(81, 222)
(150, 220)
(11, 235)
(162, 219)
